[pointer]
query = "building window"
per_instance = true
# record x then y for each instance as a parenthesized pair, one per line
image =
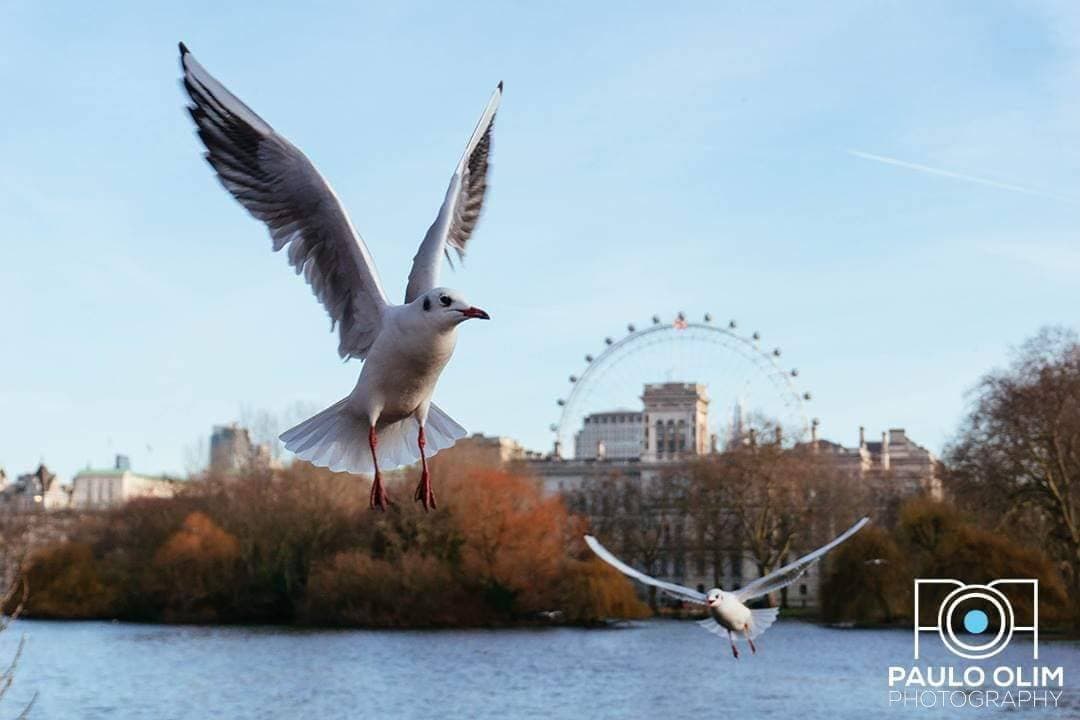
(802, 589)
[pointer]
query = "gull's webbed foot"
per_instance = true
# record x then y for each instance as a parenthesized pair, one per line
(379, 500)
(424, 494)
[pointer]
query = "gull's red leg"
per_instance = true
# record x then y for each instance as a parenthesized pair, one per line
(378, 499)
(424, 492)
(753, 648)
(734, 650)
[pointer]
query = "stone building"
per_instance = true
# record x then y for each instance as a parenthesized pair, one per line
(33, 492)
(100, 489)
(614, 435)
(485, 450)
(232, 450)
(674, 429)
(676, 421)
(893, 468)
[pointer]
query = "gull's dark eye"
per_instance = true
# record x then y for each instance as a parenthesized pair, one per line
(445, 300)
(427, 303)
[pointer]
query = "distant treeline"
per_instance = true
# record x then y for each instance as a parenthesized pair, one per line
(871, 578)
(300, 546)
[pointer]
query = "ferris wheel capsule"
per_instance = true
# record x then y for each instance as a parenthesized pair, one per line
(708, 317)
(756, 335)
(794, 372)
(806, 396)
(573, 378)
(655, 319)
(776, 352)
(560, 402)
(732, 324)
(588, 358)
(630, 327)
(608, 341)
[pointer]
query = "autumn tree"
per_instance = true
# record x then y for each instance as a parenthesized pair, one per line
(194, 565)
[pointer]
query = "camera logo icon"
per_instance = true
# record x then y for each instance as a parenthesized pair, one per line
(977, 610)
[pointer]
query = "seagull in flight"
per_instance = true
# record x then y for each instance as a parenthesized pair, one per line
(727, 610)
(388, 420)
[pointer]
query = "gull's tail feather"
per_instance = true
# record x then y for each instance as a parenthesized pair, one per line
(337, 439)
(442, 431)
(763, 619)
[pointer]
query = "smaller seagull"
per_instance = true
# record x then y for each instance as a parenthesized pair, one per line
(727, 610)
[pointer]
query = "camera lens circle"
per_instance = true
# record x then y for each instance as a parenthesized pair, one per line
(975, 621)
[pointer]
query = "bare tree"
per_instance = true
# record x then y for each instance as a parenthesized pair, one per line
(12, 602)
(1017, 455)
(264, 428)
(767, 499)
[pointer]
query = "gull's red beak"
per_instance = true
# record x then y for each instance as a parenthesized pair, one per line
(475, 312)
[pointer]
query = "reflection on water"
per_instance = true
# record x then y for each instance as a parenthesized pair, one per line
(650, 669)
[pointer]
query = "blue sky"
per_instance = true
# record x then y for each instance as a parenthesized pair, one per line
(648, 158)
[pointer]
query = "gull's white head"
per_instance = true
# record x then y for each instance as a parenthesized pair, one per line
(446, 309)
(714, 597)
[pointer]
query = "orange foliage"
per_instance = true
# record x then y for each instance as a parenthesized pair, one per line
(300, 545)
(198, 540)
(527, 549)
(192, 568)
(513, 535)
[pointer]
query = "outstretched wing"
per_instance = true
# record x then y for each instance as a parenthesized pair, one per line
(461, 207)
(683, 593)
(790, 573)
(277, 184)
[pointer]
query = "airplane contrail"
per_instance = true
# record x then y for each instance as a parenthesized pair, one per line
(956, 176)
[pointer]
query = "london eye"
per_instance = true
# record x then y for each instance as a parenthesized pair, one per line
(745, 377)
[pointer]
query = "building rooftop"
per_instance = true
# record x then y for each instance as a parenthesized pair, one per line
(122, 466)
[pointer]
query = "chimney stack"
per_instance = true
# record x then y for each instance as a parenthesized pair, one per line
(862, 436)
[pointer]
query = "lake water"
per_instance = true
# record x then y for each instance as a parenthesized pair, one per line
(643, 670)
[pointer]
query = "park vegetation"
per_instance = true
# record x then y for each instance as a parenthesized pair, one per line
(1010, 507)
(763, 499)
(1012, 510)
(300, 546)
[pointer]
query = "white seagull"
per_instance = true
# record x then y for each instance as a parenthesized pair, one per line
(388, 420)
(727, 610)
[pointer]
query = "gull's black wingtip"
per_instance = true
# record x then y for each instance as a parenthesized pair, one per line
(500, 86)
(183, 49)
